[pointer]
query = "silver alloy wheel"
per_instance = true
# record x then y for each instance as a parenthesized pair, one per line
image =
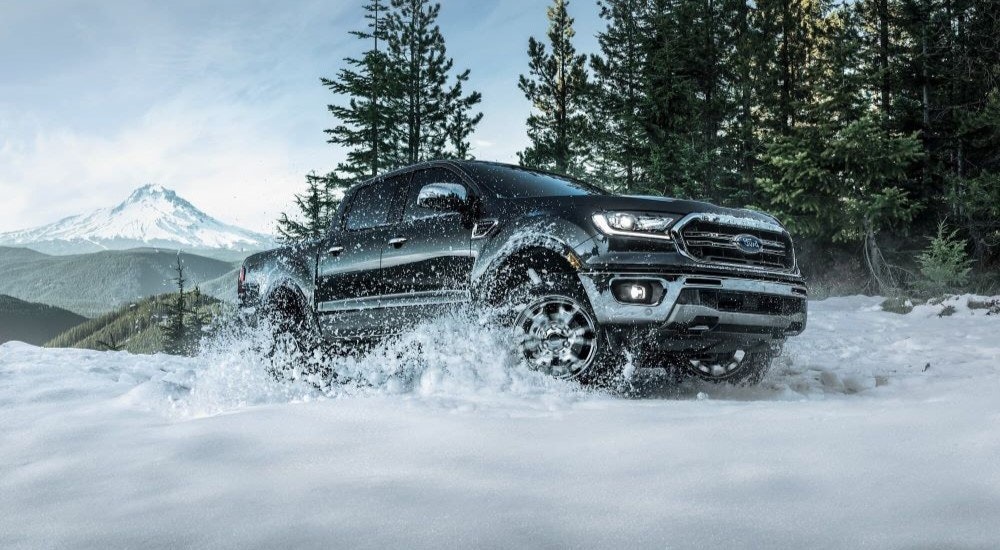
(557, 336)
(719, 369)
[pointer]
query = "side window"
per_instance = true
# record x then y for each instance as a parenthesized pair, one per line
(420, 179)
(370, 206)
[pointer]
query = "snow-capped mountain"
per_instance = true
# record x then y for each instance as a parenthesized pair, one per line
(152, 216)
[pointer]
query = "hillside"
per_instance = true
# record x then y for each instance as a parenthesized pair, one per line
(134, 327)
(224, 287)
(93, 284)
(151, 216)
(33, 323)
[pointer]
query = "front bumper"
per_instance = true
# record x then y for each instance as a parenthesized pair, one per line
(695, 306)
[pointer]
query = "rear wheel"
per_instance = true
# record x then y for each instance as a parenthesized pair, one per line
(291, 350)
(740, 368)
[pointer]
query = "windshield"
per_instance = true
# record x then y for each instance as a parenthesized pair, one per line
(512, 182)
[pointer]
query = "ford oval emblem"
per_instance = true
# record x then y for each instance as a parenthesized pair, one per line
(748, 244)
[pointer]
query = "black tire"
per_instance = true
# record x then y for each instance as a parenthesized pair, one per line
(749, 370)
(294, 339)
(578, 349)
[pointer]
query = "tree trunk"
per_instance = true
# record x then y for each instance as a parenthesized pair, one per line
(879, 271)
(745, 116)
(375, 100)
(883, 57)
(925, 76)
(785, 109)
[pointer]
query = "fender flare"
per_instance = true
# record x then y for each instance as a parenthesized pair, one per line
(291, 287)
(492, 273)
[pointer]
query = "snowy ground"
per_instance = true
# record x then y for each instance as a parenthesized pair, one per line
(875, 430)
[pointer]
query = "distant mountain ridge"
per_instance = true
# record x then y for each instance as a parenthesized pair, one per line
(96, 283)
(33, 323)
(152, 216)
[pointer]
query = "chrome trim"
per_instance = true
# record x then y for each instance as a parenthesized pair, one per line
(677, 229)
(435, 192)
(607, 309)
(482, 228)
(685, 313)
(405, 299)
(713, 235)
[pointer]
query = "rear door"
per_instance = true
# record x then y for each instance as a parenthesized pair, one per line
(428, 262)
(349, 281)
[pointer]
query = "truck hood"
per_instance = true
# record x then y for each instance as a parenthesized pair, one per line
(644, 203)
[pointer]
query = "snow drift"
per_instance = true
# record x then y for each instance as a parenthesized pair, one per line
(874, 430)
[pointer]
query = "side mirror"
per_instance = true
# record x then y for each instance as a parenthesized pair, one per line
(442, 196)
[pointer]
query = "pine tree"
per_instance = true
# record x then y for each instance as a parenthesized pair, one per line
(367, 85)
(746, 79)
(838, 174)
(315, 209)
(461, 121)
(693, 99)
(431, 113)
(965, 116)
(669, 104)
(398, 104)
(620, 143)
(930, 68)
(557, 87)
(944, 264)
(791, 35)
(175, 331)
(670, 110)
(198, 316)
(888, 109)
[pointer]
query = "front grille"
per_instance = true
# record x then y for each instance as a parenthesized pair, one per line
(742, 302)
(714, 242)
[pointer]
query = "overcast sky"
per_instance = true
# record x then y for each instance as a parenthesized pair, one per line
(217, 100)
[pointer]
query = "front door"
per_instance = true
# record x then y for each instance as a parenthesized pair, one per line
(428, 263)
(349, 281)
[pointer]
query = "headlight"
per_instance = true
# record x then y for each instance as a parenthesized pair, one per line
(630, 224)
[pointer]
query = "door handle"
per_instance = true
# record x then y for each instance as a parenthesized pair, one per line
(334, 250)
(397, 241)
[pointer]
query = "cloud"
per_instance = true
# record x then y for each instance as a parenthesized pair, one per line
(234, 160)
(218, 100)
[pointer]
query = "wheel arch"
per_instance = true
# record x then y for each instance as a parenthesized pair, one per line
(508, 271)
(286, 299)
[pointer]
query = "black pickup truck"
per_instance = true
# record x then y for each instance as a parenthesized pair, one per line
(579, 277)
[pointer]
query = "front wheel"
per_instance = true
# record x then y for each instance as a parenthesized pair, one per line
(556, 333)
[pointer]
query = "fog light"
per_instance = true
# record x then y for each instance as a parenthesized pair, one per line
(637, 292)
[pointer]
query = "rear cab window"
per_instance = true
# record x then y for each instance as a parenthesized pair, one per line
(373, 204)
